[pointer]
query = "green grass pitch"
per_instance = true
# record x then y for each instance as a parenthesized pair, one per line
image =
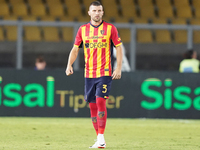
(19, 133)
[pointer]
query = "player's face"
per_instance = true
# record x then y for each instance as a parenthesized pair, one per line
(40, 65)
(96, 13)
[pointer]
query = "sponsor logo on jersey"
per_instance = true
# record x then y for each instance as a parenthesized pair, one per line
(96, 45)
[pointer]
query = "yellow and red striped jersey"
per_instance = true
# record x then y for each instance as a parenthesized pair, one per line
(98, 42)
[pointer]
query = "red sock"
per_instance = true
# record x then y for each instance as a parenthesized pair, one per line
(93, 113)
(102, 114)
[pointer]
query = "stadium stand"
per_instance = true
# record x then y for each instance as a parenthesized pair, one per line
(144, 36)
(71, 11)
(19, 10)
(14, 2)
(195, 21)
(110, 12)
(129, 12)
(38, 10)
(197, 12)
(32, 33)
(127, 3)
(56, 10)
(84, 19)
(162, 36)
(128, 9)
(163, 3)
(196, 33)
(123, 19)
(145, 3)
(108, 19)
(50, 34)
(11, 33)
(67, 34)
(66, 18)
(146, 8)
(86, 4)
(11, 18)
(196, 3)
(165, 12)
(2, 2)
(147, 12)
(1, 34)
(181, 3)
(29, 18)
(47, 18)
(180, 36)
(159, 21)
(184, 12)
(53, 2)
(35, 2)
(180, 21)
(122, 11)
(125, 35)
(141, 20)
(119, 11)
(4, 9)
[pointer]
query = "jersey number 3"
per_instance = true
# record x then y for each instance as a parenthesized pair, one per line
(105, 88)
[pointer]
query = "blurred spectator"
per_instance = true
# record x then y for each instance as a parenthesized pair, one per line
(40, 63)
(125, 64)
(189, 64)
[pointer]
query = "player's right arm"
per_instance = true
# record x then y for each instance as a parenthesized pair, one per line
(72, 57)
(74, 53)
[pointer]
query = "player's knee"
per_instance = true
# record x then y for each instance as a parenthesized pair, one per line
(101, 101)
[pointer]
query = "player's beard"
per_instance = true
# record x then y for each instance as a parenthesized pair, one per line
(97, 19)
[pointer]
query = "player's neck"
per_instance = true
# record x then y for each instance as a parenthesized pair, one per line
(94, 23)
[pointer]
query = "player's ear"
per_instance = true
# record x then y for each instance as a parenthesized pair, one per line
(89, 13)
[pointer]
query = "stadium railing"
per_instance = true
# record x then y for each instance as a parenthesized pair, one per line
(133, 29)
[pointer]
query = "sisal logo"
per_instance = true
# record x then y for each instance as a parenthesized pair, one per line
(96, 45)
(34, 94)
(179, 98)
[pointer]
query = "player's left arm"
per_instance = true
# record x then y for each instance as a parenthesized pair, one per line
(119, 55)
(118, 46)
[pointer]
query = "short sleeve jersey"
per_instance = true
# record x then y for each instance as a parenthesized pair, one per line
(97, 42)
(189, 65)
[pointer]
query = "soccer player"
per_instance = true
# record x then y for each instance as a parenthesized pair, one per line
(97, 37)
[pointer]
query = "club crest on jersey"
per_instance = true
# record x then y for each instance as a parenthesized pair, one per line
(102, 32)
(101, 114)
(94, 119)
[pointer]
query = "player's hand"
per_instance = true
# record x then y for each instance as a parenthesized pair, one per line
(69, 71)
(117, 74)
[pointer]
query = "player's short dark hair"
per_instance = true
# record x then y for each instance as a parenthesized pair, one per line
(188, 54)
(40, 59)
(96, 3)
